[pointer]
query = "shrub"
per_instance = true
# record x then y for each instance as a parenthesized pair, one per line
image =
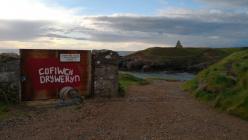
(225, 84)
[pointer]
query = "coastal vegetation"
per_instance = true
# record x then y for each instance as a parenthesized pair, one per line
(224, 84)
(175, 59)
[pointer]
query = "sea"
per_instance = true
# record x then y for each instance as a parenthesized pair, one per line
(165, 75)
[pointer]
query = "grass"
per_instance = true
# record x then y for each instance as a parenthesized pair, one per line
(126, 80)
(224, 85)
(3, 110)
(192, 59)
(163, 54)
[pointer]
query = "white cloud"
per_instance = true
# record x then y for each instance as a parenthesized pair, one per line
(35, 10)
(16, 30)
(199, 14)
(173, 12)
(227, 3)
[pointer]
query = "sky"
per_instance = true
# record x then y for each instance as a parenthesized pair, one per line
(122, 25)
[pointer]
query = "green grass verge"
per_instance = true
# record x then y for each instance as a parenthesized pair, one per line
(3, 111)
(126, 80)
(224, 85)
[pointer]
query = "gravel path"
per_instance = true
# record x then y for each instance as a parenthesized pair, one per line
(158, 111)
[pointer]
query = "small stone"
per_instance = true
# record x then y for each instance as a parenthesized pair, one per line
(108, 57)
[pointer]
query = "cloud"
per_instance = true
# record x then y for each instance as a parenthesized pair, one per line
(206, 29)
(36, 10)
(52, 35)
(227, 3)
(210, 15)
(25, 30)
(22, 30)
(162, 29)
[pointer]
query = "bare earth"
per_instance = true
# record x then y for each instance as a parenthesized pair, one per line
(158, 111)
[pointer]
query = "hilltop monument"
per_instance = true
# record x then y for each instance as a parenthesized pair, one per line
(179, 45)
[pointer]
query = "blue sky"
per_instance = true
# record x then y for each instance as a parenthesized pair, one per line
(106, 7)
(122, 25)
(142, 7)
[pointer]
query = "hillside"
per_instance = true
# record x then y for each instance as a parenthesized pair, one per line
(174, 59)
(224, 84)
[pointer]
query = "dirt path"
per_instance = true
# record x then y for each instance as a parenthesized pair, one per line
(158, 111)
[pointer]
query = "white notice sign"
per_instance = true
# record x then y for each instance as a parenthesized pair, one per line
(69, 57)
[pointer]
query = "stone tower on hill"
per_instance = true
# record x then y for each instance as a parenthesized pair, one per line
(179, 45)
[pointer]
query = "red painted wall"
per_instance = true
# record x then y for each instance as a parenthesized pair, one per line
(43, 74)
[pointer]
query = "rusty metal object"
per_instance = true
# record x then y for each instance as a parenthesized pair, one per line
(68, 93)
(69, 96)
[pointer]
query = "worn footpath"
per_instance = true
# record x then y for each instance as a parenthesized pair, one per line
(158, 111)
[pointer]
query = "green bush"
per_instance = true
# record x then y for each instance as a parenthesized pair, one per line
(190, 85)
(224, 84)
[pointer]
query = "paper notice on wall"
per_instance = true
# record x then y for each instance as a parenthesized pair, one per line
(69, 57)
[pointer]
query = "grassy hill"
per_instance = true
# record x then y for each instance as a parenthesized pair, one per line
(175, 59)
(225, 84)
